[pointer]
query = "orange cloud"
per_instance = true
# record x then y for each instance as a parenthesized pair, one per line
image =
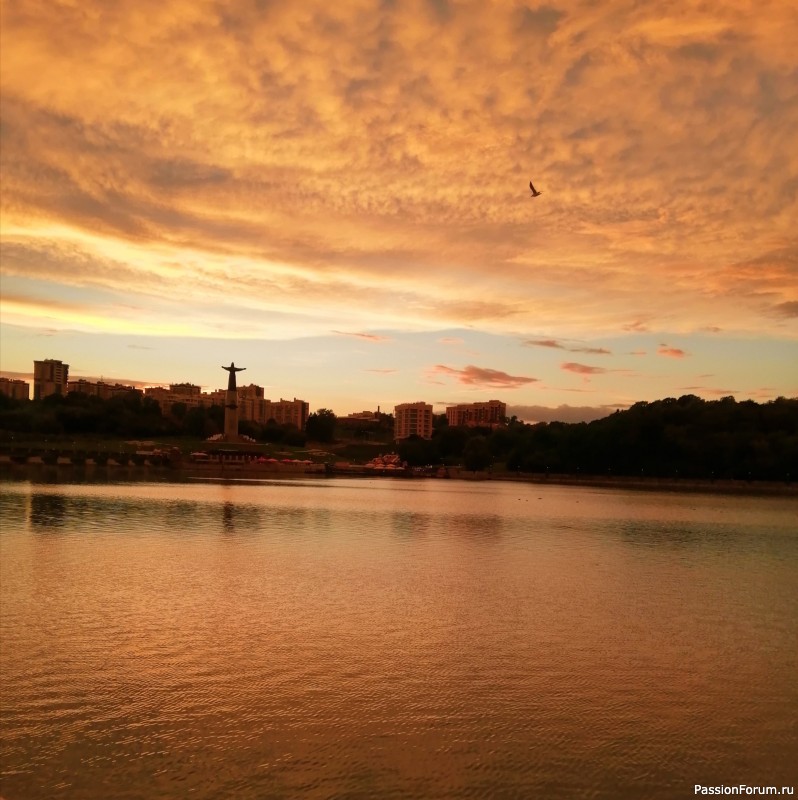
(483, 376)
(788, 310)
(553, 343)
(335, 165)
(369, 337)
(543, 343)
(582, 369)
(671, 352)
(709, 390)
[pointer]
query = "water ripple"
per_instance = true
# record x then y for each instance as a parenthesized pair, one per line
(361, 639)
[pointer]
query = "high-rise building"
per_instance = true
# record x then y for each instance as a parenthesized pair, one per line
(489, 414)
(412, 418)
(12, 387)
(49, 377)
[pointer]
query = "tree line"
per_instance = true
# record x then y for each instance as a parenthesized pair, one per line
(128, 415)
(676, 437)
(670, 438)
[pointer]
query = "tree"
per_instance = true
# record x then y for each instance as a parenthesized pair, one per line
(197, 423)
(476, 454)
(417, 452)
(320, 426)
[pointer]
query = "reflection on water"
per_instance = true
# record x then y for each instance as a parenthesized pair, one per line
(47, 510)
(394, 639)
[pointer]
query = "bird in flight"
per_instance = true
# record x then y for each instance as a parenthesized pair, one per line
(535, 192)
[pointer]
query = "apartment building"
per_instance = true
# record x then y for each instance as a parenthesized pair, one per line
(287, 412)
(488, 414)
(13, 387)
(49, 377)
(100, 389)
(412, 418)
(253, 406)
(186, 393)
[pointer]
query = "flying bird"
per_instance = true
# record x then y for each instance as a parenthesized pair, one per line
(535, 192)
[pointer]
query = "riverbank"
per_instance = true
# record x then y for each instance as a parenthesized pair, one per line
(64, 470)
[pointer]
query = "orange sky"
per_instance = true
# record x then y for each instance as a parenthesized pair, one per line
(179, 173)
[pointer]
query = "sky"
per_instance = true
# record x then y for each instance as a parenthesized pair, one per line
(335, 196)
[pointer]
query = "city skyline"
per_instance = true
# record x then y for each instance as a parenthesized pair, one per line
(338, 198)
(51, 376)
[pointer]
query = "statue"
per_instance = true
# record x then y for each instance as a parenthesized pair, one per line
(232, 369)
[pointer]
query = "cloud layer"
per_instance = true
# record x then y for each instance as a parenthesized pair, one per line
(359, 143)
(266, 171)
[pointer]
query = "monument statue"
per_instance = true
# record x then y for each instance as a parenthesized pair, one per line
(231, 405)
(232, 369)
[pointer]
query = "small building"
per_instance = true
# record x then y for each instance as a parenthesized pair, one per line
(361, 421)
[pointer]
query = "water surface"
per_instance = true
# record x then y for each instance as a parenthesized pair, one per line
(392, 638)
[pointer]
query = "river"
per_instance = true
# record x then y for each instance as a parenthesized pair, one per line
(334, 638)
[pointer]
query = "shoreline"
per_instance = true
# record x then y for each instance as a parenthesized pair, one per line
(184, 472)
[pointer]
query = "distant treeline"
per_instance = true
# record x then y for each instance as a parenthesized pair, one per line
(672, 438)
(686, 437)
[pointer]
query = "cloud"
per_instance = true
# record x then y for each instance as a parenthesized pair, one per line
(553, 343)
(451, 340)
(137, 384)
(483, 376)
(765, 393)
(582, 369)
(249, 170)
(543, 343)
(562, 413)
(787, 310)
(369, 337)
(385, 371)
(75, 375)
(709, 390)
(16, 376)
(671, 352)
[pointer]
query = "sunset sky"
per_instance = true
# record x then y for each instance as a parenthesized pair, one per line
(335, 196)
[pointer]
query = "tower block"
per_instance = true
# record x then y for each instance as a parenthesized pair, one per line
(231, 404)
